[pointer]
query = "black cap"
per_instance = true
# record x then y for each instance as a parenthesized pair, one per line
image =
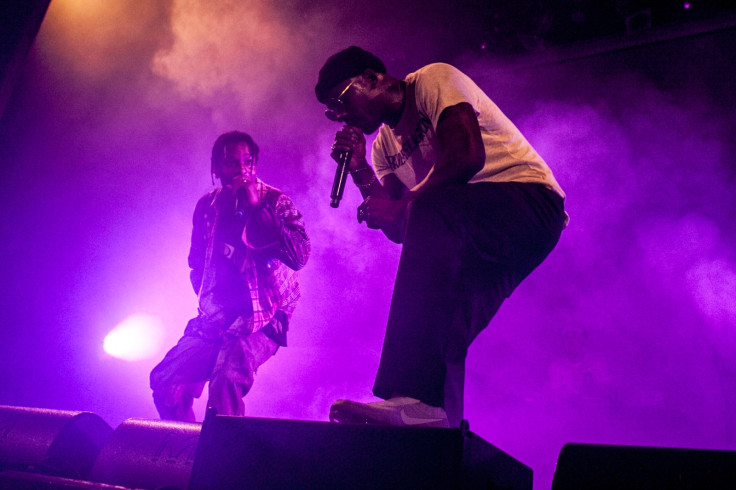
(343, 65)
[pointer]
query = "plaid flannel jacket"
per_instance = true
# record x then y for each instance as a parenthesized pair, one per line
(268, 272)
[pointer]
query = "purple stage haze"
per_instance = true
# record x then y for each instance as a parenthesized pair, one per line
(625, 335)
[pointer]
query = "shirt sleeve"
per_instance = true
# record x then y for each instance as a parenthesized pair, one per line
(439, 86)
(291, 243)
(378, 157)
(198, 243)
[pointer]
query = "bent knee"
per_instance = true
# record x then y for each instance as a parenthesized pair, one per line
(228, 379)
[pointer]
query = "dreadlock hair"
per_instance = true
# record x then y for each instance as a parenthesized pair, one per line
(218, 149)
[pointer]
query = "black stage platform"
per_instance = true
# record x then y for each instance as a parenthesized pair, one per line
(54, 450)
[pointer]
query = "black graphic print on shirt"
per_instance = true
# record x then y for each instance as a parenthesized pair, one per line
(411, 143)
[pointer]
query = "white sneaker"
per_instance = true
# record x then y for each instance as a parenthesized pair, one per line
(398, 411)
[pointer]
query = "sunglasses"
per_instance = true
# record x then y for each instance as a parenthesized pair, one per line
(336, 106)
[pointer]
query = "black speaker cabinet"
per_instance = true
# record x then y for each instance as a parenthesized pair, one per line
(148, 454)
(51, 442)
(20, 480)
(598, 466)
(242, 453)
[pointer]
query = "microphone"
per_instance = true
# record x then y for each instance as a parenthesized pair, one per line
(341, 175)
(240, 202)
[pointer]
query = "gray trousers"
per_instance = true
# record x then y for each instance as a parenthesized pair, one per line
(229, 364)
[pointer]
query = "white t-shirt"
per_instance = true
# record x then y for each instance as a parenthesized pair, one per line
(412, 148)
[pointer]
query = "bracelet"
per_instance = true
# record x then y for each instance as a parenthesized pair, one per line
(366, 185)
(362, 169)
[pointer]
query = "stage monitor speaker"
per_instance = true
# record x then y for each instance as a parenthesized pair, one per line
(20, 480)
(604, 467)
(243, 453)
(51, 442)
(148, 454)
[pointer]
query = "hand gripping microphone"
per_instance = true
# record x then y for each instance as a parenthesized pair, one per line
(341, 175)
(240, 201)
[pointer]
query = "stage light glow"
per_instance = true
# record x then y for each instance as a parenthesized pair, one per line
(92, 37)
(136, 338)
(77, 8)
(713, 286)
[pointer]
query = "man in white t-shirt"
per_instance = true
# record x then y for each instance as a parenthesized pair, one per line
(474, 206)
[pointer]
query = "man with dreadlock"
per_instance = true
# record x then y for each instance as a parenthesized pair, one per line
(248, 241)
